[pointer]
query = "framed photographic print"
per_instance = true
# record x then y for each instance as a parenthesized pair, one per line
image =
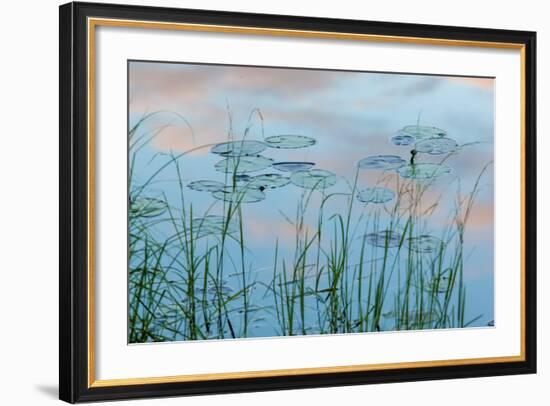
(256, 202)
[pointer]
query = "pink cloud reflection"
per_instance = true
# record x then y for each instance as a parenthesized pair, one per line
(480, 83)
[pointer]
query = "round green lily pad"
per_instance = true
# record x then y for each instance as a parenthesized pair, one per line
(268, 181)
(402, 139)
(243, 164)
(439, 284)
(212, 225)
(382, 162)
(238, 148)
(424, 171)
(425, 244)
(242, 178)
(313, 179)
(436, 146)
(148, 207)
(289, 141)
(240, 194)
(420, 132)
(222, 290)
(384, 238)
(205, 185)
(293, 166)
(375, 195)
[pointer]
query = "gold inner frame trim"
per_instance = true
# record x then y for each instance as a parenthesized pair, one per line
(94, 22)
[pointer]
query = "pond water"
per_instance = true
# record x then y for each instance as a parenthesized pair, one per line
(271, 232)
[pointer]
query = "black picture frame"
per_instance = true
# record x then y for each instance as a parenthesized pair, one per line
(74, 384)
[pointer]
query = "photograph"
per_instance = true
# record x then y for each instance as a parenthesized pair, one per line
(274, 201)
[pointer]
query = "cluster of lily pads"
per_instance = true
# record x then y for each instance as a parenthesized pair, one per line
(421, 140)
(147, 207)
(242, 159)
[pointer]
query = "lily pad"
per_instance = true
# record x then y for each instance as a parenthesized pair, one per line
(313, 179)
(289, 141)
(441, 284)
(421, 132)
(424, 171)
(241, 194)
(205, 185)
(375, 195)
(242, 178)
(384, 238)
(238, 148)
(243, 164)
(222, 290)
(293, 166)
(212, 225)
(148, 207)
(268, 181)
(425, 244)
(402, 138)
(436, 146)
(382, 162)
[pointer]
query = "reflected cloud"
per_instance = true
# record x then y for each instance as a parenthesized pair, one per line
(479, 83)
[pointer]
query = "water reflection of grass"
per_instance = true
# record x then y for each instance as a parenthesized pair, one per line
(371, 267)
